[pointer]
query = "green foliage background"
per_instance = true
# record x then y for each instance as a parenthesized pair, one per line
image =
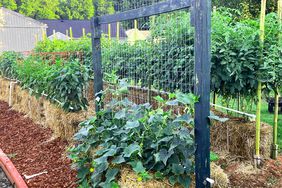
(235, 54)
(77, 9)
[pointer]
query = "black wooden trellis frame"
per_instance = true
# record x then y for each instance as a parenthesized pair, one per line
(201, 20)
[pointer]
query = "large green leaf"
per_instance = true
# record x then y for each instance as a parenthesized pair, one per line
(163, 155)
(131, 149)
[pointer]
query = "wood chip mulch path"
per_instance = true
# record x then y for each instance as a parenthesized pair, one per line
(32, 150)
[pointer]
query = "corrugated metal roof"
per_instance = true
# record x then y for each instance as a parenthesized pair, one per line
(77, 26)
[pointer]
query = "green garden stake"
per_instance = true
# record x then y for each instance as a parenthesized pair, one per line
(71, 33)
(275, 147)
(259, 90)
(83, 32)
(109, 31)
(118, 31)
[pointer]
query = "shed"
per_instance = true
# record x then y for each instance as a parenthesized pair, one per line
(18, 32)
(77, 26)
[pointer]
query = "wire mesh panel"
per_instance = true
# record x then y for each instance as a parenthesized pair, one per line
(156, 57)
(166, 49)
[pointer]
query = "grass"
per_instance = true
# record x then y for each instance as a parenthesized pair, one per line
(266, 117)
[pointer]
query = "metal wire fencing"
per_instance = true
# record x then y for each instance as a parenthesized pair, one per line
(156, 57)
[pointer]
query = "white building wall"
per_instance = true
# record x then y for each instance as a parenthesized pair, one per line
(18, 33)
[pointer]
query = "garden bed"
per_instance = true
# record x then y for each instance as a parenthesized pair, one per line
(33, 150)
(42, 111)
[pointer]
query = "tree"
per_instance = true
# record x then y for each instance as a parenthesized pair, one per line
(75, 9)
(40, 9)
(247, 7)
(9, 4)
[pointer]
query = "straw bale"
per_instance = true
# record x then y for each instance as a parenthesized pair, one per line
(237, 136)
(219, 176)
(37, 110)
(128, 179)
(4, 89)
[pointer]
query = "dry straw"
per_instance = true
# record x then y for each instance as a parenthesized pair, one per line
(129, 179)
(43, 112)
(237, 136)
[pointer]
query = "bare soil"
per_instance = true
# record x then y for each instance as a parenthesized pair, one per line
(33, 150)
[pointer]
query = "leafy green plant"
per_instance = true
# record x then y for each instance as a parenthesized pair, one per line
(147, 139)
(67, 85)
(64, 82)
(8, 61)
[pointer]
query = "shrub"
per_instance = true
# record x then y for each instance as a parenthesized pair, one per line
(147, 139)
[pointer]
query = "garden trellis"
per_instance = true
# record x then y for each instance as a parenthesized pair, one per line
(153, 41)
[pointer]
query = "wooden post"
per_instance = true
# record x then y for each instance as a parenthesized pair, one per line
(97, 59)
(202, 23)
(259, 90)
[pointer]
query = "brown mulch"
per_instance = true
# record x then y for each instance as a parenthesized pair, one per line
(33, 150)
(269, 175)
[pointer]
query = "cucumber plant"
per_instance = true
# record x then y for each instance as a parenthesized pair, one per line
(136, 134)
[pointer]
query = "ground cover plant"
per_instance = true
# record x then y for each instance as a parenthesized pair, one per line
(147, 139)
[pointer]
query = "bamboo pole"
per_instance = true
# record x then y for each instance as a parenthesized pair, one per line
(280, 19)
(109, 31)
(135, 30)
(36, 39)
(118, 31)
(259, 89)
(71, 33)
(275, 147)
(274, 153)
(43, 34)
(54, 34)
(83, 32)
